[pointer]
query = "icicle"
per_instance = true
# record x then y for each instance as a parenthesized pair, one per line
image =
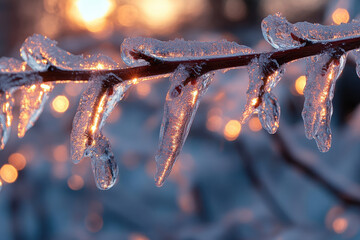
(281, 34)
(264, 76)
(7, 99)
(177, 49)
(357, 60)
(95, 106)
(179, 111)
(322, 72)
(32, 105)
(102, 161)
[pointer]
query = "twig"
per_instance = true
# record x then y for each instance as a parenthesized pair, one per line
(161, 67)
(341, 192)
(260, 184)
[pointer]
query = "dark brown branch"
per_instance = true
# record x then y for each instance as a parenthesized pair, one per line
(165, 67)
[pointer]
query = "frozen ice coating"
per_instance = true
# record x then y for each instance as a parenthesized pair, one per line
(40, 53)
(263, 77)
(179, 111)
(95, 106)
(357, 60)
(7, 99)
(280, 33)
(269, 113)
(322, 72)
(32, 104)
(103, 163)
(177, 49)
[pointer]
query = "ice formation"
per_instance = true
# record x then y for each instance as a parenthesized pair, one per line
(178, 49)
(322, 72)
(264, 74)
(103, 163)
(180, 107)
(95, 105)
(7, 99)
(282, 34)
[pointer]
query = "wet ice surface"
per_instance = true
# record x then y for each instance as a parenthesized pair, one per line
(179, 112)
(264, 75)
(7, 99)
(178, 49)
(95, 106)
(322, 72)
(41, 52)
(282, 34)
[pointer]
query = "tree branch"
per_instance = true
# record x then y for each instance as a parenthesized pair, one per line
(161, 67)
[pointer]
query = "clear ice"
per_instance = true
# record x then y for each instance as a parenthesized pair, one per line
(282, 34)
(180, 107)
(178, 49)
(95, 105)
(103, 163)
(264, 75)
(322, 72)
(7, 99)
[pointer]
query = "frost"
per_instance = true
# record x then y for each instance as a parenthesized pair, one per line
(178, 49)
(41, 52)
(7, 99)
(103, 164)
(95, 105)
(282, 34)
(322, 72)
(263, 77)
(182, 101)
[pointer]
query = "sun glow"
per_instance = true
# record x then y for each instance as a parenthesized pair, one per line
(340, 15)
(232, 130)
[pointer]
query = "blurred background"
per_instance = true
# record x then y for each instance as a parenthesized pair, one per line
(231, 181)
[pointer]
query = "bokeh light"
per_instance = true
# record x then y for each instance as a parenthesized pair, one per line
(255, 124)
(75, 182)
(232, 130)
(8, 173)
(60, 153)
(340, 225)
(94, 222)
(17, 160)
(60, 104)
(300, 84)
(340, 15)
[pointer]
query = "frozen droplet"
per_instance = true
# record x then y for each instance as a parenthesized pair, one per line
(95, 105)
(264, 75)
(178, 49)
(32, 104)
(180, 107)
(103, 163)
(269, 113)
(322, 72)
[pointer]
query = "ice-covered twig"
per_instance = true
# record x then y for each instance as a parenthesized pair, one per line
(209, 63)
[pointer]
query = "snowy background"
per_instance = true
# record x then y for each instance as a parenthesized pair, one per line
(258, 186)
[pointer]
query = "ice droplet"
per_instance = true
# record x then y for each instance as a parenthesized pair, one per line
(322, 72)
(178, 49)
(264, 75)
(269, 113)
(103, 164)
(180, 107)
(95, 106)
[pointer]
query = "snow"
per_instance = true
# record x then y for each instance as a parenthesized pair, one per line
(180, 107)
